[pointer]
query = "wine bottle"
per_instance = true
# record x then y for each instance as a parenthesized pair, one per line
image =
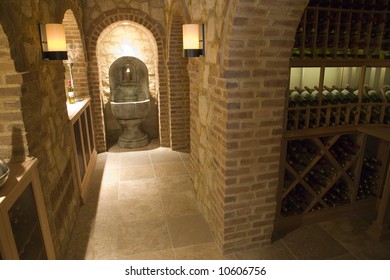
(314, 92)
(332, 98)
(297, 97)
(310, 98)
(340, 96)
(350, 97)
(290, 120)
(373, 95)
(365, 97)
(386, 92)
(326, 97)
(368, 177)
(291, 101)
(71, 95)
(351, 175)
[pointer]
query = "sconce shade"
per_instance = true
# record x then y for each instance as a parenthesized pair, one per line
(53, 41)
(193, 40)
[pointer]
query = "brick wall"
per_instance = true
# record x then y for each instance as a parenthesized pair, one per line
(237, 115)
(76, 55)
(35, 103)
(179, 99)
(13, 143)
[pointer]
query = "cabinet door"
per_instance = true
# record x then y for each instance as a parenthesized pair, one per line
(90, 129)
(84, 129)
(79, 148)
(26, 228)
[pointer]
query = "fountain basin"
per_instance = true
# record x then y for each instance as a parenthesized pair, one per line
(131, 109)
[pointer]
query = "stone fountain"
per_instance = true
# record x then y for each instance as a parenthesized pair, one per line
(129, 86)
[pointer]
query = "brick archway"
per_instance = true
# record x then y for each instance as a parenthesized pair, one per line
(92, 37)
(256, 65)
(236, 154)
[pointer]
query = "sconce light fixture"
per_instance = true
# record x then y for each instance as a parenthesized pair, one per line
(193, 40)
(53, 41)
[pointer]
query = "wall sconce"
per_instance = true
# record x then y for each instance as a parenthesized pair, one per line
(53, 41)
(193, 40)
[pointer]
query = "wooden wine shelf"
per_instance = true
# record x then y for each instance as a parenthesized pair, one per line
(321, 151)
(337, 115)
(347, 47)
(343, 32)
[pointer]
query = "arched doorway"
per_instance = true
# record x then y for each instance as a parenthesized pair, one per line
(121, 39)
(96, 90)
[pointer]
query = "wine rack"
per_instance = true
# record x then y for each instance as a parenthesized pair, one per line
(338, 100)
(323, 97)
(320, 173)
(326, 175)
(354, 29)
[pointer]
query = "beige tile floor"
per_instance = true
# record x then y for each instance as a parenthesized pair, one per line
(140, 206)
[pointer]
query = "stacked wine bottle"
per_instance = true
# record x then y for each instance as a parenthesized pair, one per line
(300, 153)
(296, 201)
(338, 195)
(311, 96)
(322, 182)
(337, 106)
(343, 30)
(368, 178)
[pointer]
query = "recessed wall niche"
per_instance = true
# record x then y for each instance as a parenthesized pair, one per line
(126, 38)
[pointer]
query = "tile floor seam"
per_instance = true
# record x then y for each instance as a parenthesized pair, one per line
(288, 248)
(166, 222)
(151, 162)
(331, 235)
(163, 209)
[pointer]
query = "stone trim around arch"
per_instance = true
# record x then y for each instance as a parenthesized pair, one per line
(92, 37)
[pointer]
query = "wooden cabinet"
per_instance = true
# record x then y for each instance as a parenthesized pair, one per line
(83, 142)
(24, 229)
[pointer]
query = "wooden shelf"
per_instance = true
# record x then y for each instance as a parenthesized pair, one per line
(344, 32)
(337, 47)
